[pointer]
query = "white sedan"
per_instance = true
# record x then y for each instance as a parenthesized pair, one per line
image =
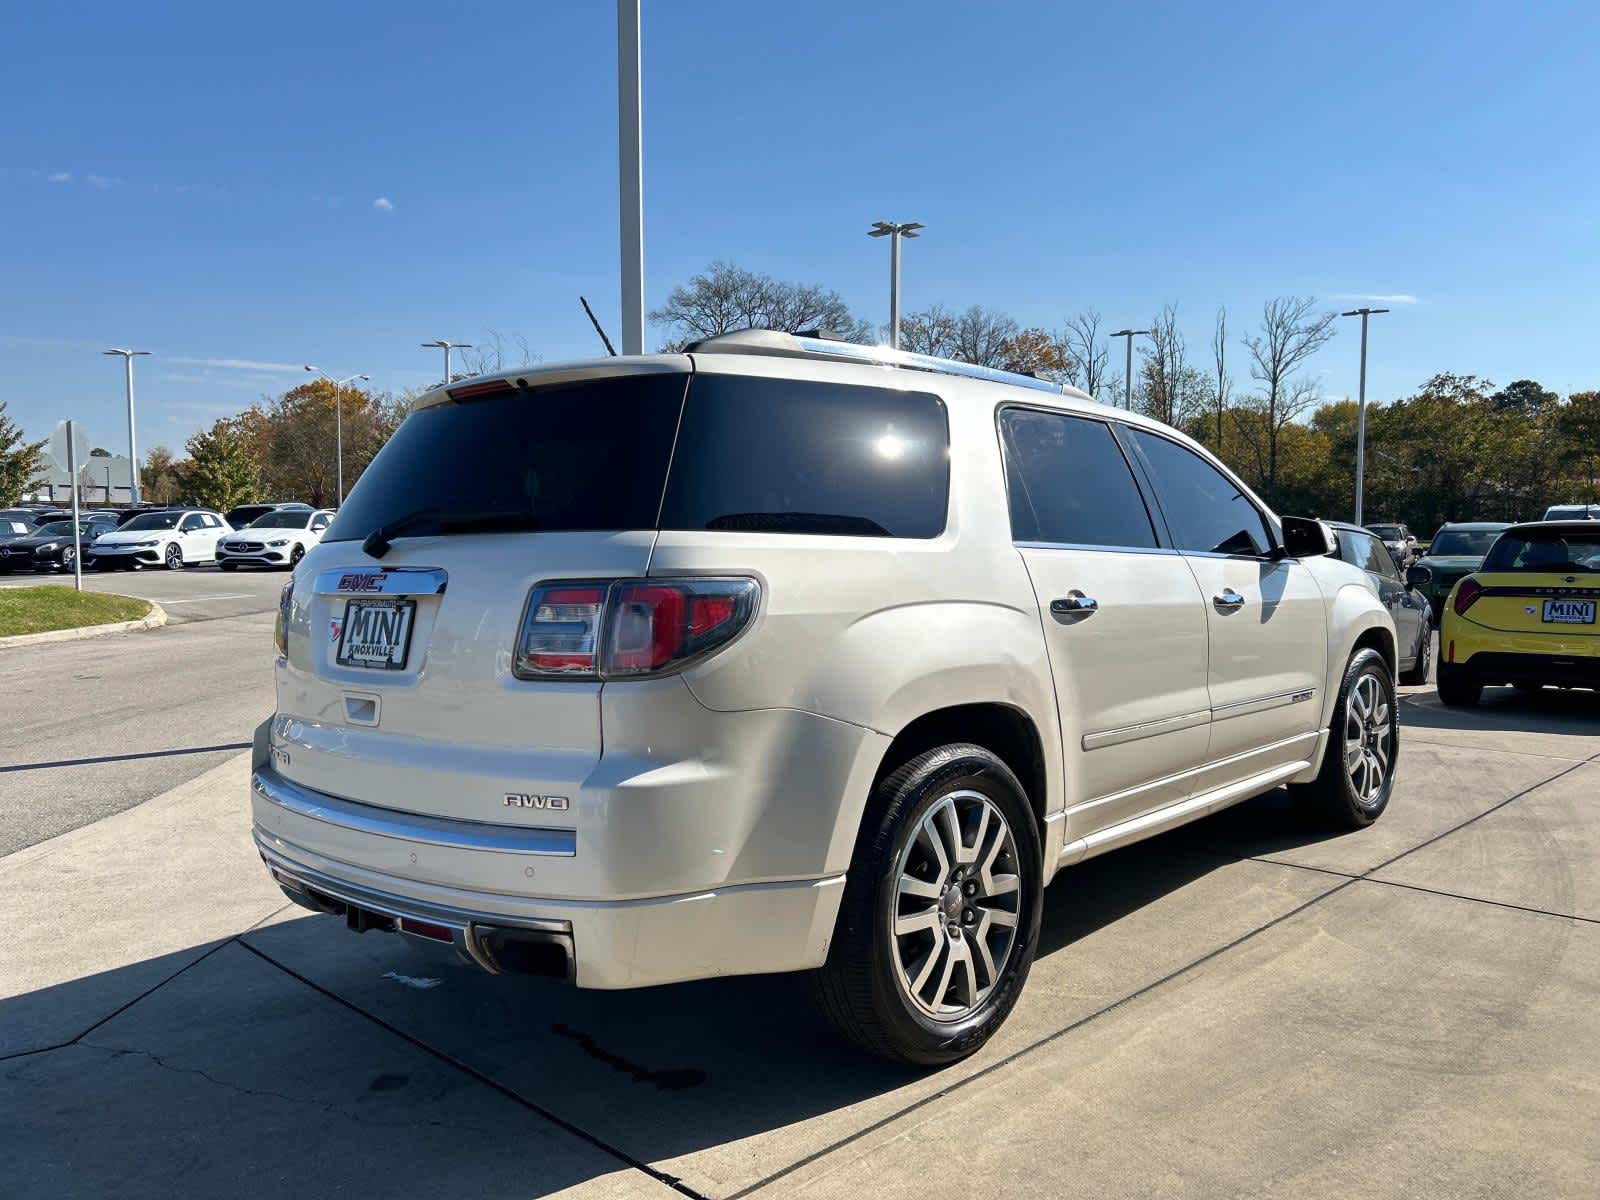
(274, 539)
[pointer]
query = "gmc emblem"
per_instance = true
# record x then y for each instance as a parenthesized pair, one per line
(547, 803)
(364, 581)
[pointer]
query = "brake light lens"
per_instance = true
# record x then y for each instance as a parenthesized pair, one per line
(1468, 590)
(628, 628)
(280, 626)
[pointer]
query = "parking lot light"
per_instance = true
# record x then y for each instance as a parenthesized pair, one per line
(338, 425)
(894, 231)
(1361, 411)
(1127, 377)
(133, 452)
(441, 344)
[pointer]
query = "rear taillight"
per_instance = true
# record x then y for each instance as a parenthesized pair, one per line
(1468, 590)
(627, 628)
(280, 627)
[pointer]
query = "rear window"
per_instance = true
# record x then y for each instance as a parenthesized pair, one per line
(788, 456)
(585, 455)
(1545, 550)
(1464, 542)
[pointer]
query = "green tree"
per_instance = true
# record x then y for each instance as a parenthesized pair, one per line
(158, 478)
(21, 461)
(220, 471)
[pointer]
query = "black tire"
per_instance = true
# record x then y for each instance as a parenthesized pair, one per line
(1334, 793)
(227, 566)
(1418, 671)
(172, 557)
(295, 556)
(1456, 689)
(860, 987)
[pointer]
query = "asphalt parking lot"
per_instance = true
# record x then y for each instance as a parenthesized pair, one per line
(1244, 1006)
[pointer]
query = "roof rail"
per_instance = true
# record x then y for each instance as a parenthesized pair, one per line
(803, 345)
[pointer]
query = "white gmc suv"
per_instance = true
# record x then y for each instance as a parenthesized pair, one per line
(786, 654)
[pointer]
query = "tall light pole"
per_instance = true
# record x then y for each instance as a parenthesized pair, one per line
(441, 344)
(133, 451)
(1361, 419)
(894, 232)
(630, 176)
(1127, 373)
(338, 424)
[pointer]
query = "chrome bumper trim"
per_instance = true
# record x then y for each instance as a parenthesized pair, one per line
(411, 827)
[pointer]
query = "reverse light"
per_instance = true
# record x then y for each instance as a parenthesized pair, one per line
(627, 628)
(280, 627)
(1468, 590)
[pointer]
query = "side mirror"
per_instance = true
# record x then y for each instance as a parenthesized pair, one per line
(1418, 577)
(1305, 537)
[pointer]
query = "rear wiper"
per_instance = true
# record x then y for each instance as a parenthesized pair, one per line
(377, 542)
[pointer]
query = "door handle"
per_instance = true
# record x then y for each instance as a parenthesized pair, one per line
(1228, 600)
(1074, 604)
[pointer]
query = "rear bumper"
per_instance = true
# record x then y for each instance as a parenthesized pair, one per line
(1560, 655)
(1491, 667)
(308, 841)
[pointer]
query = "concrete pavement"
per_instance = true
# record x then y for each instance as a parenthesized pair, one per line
(90, 727)
(1247, 1005)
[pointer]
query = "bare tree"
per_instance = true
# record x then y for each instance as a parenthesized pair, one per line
(981, 336)
(493, 352)
(931, 331)
(1171, 390)
(1219, 356)
(1291, 332)
(727, 297)
(1088, 355)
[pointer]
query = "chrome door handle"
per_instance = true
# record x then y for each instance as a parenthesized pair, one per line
(1229, 599)
(1074, 604)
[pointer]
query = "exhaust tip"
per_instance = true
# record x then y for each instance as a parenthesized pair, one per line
(526, 951)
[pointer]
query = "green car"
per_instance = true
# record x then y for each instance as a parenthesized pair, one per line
(1456, 550)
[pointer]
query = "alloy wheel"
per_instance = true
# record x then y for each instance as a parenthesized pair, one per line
(1368, 744)
(174, 557)
(957, 904)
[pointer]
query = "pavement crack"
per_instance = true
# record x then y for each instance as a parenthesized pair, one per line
(337, 1110)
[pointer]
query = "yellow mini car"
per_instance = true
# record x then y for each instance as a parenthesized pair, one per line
(1527, 616)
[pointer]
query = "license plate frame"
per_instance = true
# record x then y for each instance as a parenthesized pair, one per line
(1583, 614)
(356, 620)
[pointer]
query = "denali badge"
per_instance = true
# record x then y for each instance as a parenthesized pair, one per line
(548, 803)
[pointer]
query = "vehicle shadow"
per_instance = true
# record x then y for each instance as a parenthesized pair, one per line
(1548, 711)
(303, 1058)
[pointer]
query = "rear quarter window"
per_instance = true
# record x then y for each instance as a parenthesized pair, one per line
(790, 456)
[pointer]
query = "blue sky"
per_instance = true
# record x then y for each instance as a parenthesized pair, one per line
(242, 189)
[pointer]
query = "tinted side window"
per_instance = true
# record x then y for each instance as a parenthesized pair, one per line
(1204, 509)
(786, 456)
(190, 523)
(1067, 482)
(1379, 559)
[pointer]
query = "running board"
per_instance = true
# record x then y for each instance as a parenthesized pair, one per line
(1181, 813)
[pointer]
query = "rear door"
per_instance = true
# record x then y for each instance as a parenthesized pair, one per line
(1123, 618)
(1265, 615)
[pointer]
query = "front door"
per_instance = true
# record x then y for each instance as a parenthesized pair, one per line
(1265, 615)
(1123, 619)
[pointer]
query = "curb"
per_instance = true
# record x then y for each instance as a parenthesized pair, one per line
(154, 619)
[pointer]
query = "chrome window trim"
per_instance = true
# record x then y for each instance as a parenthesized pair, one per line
(411, 827)
(397, 581)
(1167, 550)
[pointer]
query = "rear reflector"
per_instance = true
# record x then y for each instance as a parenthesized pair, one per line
(629, 627)
(426, 929)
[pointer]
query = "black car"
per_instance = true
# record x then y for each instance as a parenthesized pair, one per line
(49, 547)
(17, 522)
(1413, 618)
(243, 514)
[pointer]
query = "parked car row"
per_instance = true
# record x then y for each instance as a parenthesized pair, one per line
(267, 535)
